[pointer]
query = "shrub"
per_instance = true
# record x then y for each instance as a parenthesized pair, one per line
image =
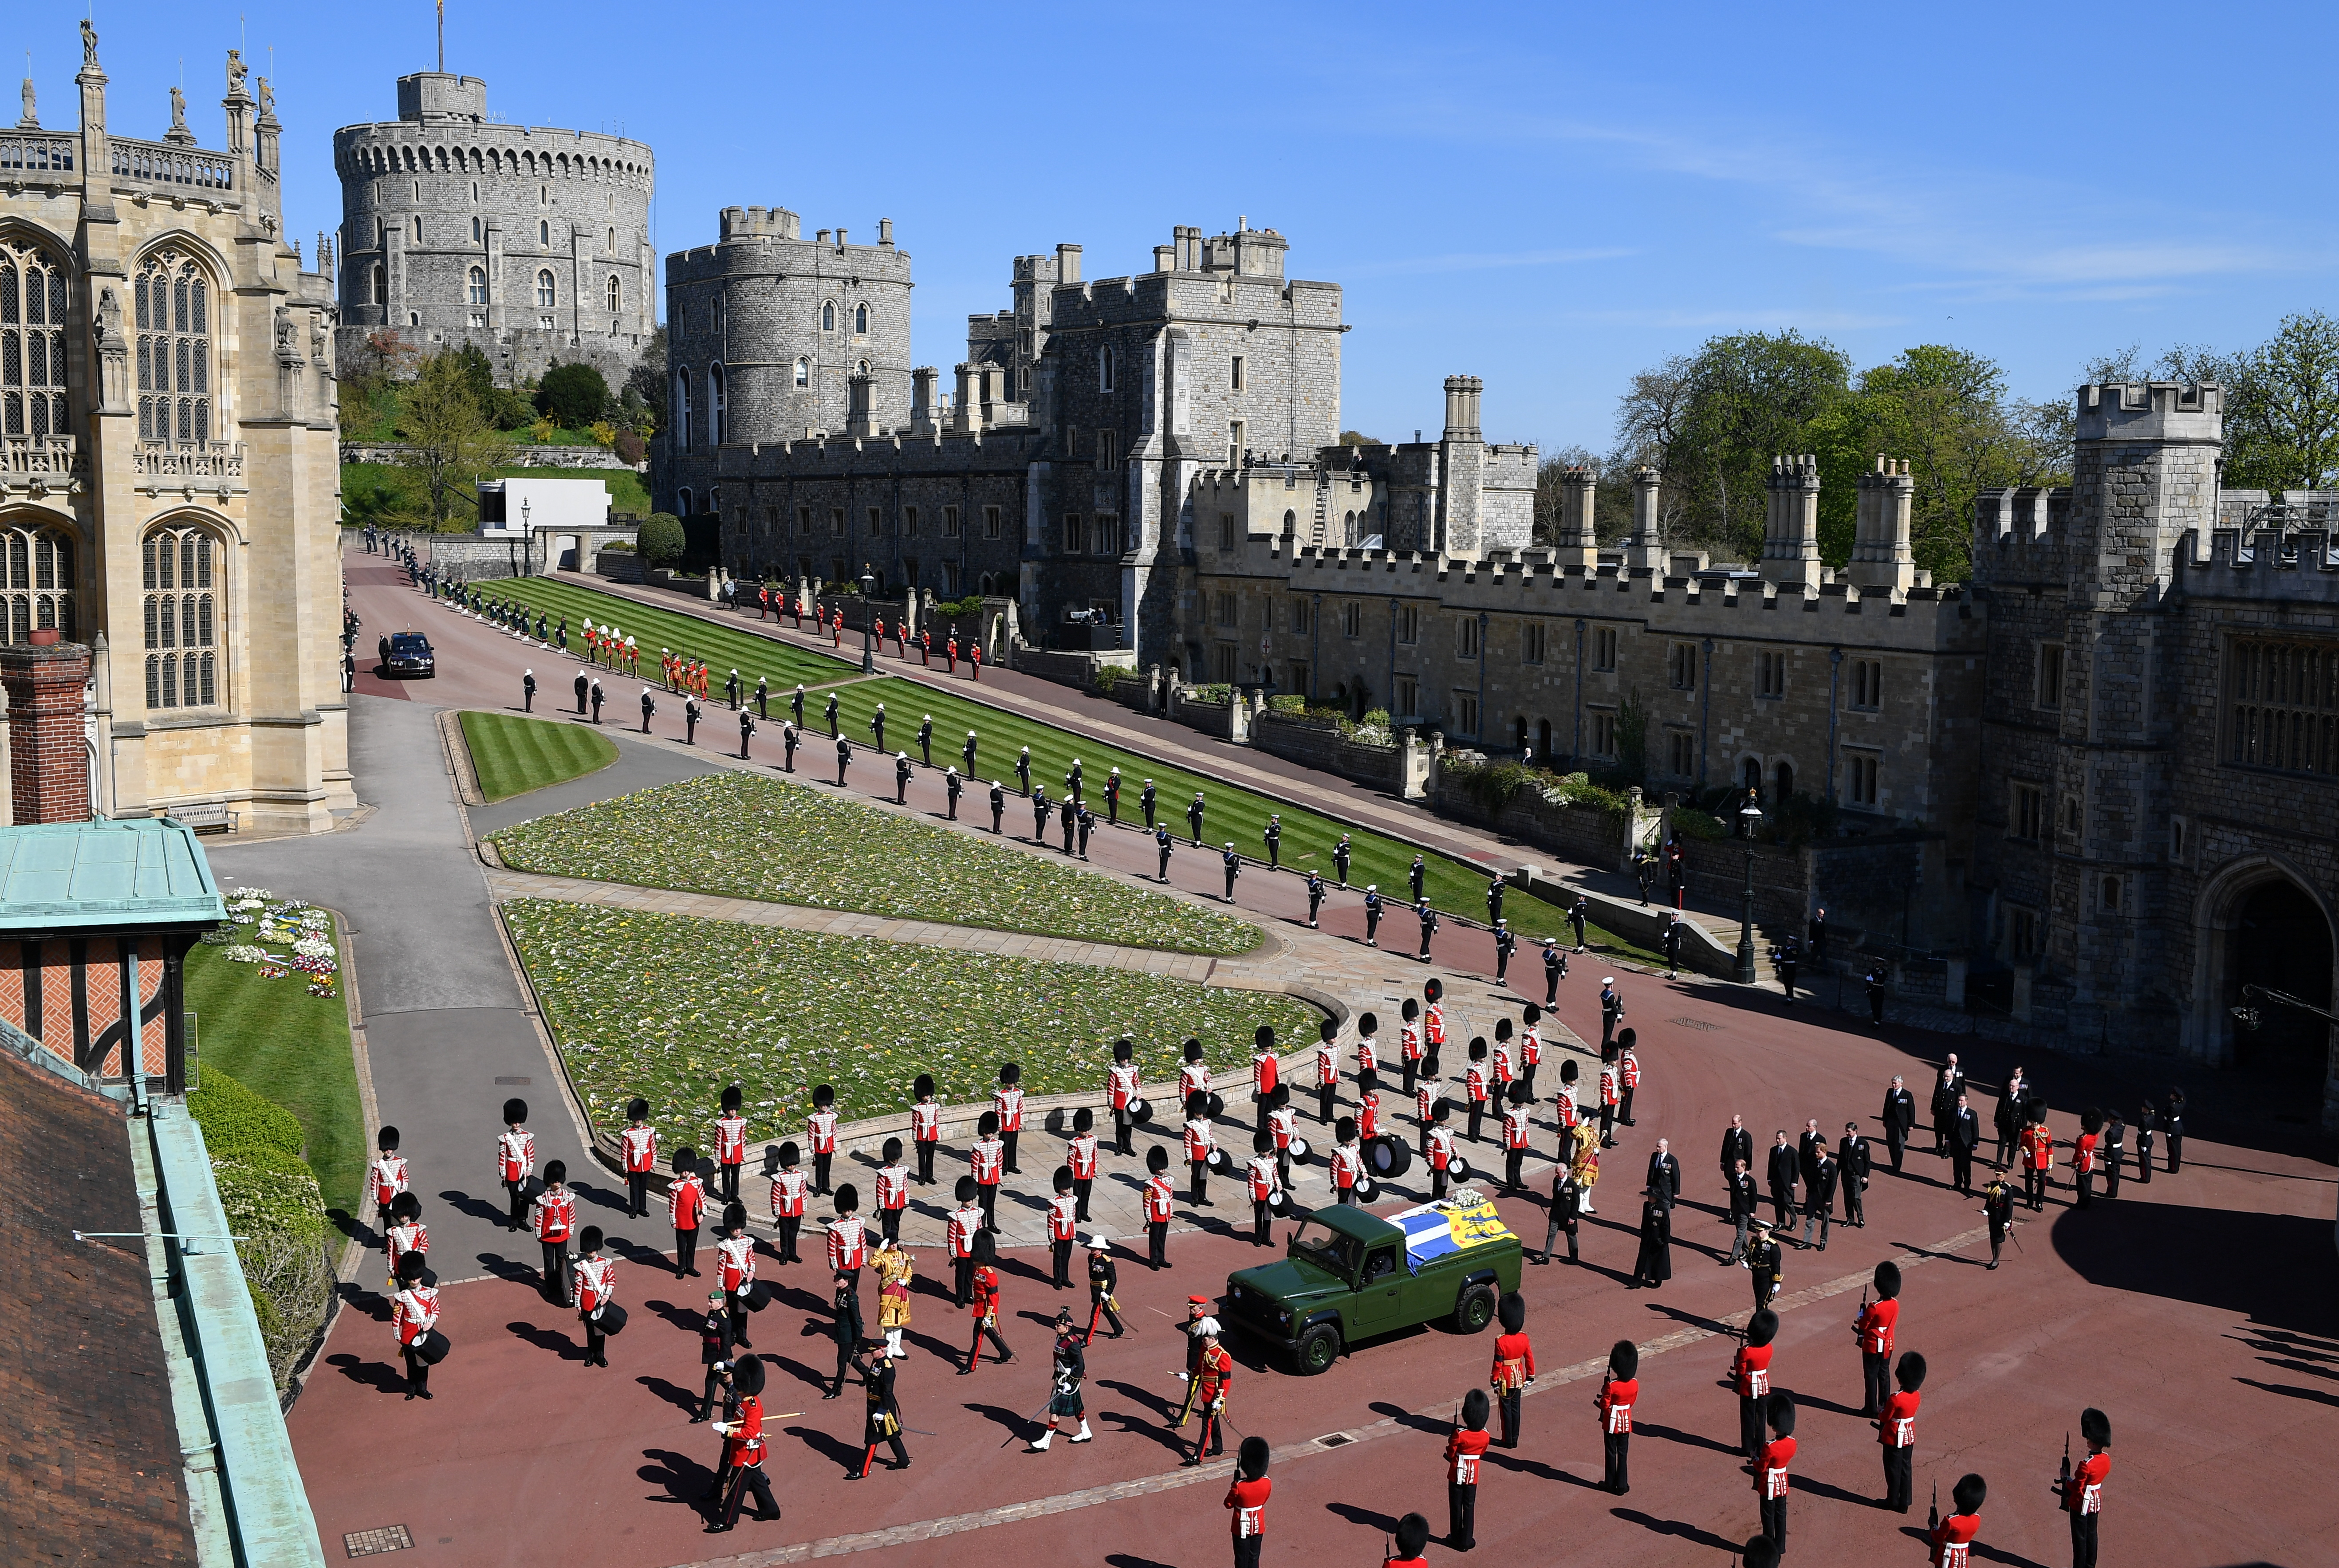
(1293, 704)
(965, 609)
(629, 447)
(234, 1117)
(1691, 823)
(1375, 719)
(603, 433)
(1218, 694)
(574, 395)
(270, 1199)
(660, 539)
(544, 432)
(1110, 675)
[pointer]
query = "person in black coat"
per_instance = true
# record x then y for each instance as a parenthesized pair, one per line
(1854, 1162)
(1819, 1196)
(1737, 1146)
(1745, 1196)
(883, 1423)
(1665, 1173)
(2148, 1122)
(1947, 1085)
(2006, 1121)
(1809, 1146)
(1567, 1213)
(1965, 1137)
(1655, 1264)
(1900, 1117)
(2172, 1126)
(1782, 1171)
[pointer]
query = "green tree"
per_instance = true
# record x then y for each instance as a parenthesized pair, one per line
(660, 541)
(1356, 438)
(575, 396)
(2282, 408)
(646, 383)
(450, 441)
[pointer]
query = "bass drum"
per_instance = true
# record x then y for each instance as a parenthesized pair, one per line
(1299, 1150)
(610, 1319)
(1458, 1168)
(432, 1348)
(1218, 1161)
(1388, 1157)
(1367, 1189)
(1278, 1200)
(1217, 1106)
(1140, 1112)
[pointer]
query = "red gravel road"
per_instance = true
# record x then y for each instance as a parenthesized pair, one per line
(2197, 1311)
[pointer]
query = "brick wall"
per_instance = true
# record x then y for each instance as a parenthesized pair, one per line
(48, 763)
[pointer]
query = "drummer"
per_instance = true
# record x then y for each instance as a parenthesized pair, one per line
(1266, 1186)
(1202, 1146)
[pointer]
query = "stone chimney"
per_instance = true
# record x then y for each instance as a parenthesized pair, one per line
(922, 398)
(1881, 561)
(966, 412)
(858, 419)
(1068, 263)
(1575, 543)
(1791, 529)
(1644, 550)
(48, 755)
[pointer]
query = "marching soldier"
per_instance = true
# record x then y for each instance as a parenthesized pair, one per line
(637, 1143)
(406, 1233)
(790, 738)
(649, 707)
(1121, 1090)
(1214, 1376)
(1763, 1261)
(2115, 1142)
(747, 731)
(1372, 914)
(2148, 1121)
(743, 1450)
(580, 688)
(844, 1324)
(1952, 1538)
(1514, 1369)
(1246, 1498)
(1429, 919)
(1417, 875)
(1080, 1155)
(1770, 1478)
(1233, 865)
(926, 739)
(984, 1304)
(883, 1421)
(998, 804)
(844, 759)
(1410, 1048)
(1068, 813)
(1517, 1128)
(413, 1315)
(1466, 1447)
(1750, 1375)
(829, 713)
(891, 1193)
(1327, 1069)
(1024, 769)
(848, 1238)
(1283, 1124)
(1070, 1368)
(1874, 1329)
(686, 1201)
(2037, 1158)
(1198, 1313)
(820, 1130)
(1266, 1180)
(1201, 1142)
(1437, 1142)
(516, 1159)
(895, 1269)
(1105, 1283)
(1505, 944)
(1611, 1009)
(2083, 1157)
(1163, 846)
(714, 1355)
(1618, 1390)
(902, 771)
(731, 1142)
(1554, 970)
(387, 1178)
(1273, 837)
(1042, 809)
(1194, 818)
(968, 752)
(552, 1216)
(1341, 854)
(1674, 926)
(1348, 1161)
(965, 1224)
(596, 1290)
(734, 1253)
(1159, 1196)
(1085, 820)
(1112, 797)
(988, 1156)
(1998, 1206)
(1145, 799)
(953, 788)
(1530, 1046)
(1579, 915)
(925, 1125)
(1314, 896)
(1475, 1080)
(1628, 1075)
(1063, 1219)
(1007, 1100)
(2082, 1489)
(689, 718)
(1896, 1432)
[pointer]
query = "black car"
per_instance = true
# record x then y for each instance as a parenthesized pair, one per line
(407, 654)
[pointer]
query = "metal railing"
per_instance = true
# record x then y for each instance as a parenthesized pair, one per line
(153, 163)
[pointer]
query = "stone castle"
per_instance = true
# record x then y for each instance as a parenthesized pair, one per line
(169, 567)
(528, 243)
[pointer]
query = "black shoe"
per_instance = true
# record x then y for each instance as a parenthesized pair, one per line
(409, 1393)
(425, 1393)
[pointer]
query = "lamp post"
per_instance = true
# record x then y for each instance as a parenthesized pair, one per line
(1750, 817)
(868, 646)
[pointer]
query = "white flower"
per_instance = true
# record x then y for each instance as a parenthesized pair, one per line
(241, 953)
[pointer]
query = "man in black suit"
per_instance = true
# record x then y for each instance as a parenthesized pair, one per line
(1744, 1195)
(1782, 1172)
(1899, 1116)
(2006, 1120)
(1819, 1195)
(1807, 1149)
(1854, 1162)
(1965, 1137)
(1664, 1174)
(1947, 1088)
(1737, 1147)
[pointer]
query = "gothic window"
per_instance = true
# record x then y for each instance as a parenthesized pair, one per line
(865, 367)
(417, 228)
(32, 343)
(183, 619)
(36, 582)
(828, 316)
(682, 410)
(475, 191)
(380, 285)
(713, 405)
(548, 293)
(613, 242)
(2283, 705)
(613, 290)
(171, 301)
(860, 320)
(479, 285)
(682, 503)
(804, 372)
(476, 231)
(1104, 369)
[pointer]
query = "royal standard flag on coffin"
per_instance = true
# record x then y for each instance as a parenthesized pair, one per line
(1433, 1230)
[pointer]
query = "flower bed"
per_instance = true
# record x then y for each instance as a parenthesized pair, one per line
(673, 1008)
(742, 836)
(292, 923)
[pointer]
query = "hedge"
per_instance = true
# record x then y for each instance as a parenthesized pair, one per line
(271, 1200)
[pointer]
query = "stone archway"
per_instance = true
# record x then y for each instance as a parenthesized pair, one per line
(2260, 921)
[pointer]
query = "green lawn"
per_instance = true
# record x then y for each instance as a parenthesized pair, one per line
(394, 497)
(673, 1008)
(289, 1047)
(722, 648)
(742, 836)
(513, 756)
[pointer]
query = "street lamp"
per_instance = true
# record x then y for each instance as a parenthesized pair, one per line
(868, 620)
(1750, 817)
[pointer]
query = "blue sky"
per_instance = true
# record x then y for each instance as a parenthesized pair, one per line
(1550, 197)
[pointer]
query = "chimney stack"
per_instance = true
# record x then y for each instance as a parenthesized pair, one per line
(1068, 263)
(48, 753)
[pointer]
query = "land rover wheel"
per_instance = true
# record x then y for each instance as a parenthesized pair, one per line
(1319, 1348)
(1475, 1310)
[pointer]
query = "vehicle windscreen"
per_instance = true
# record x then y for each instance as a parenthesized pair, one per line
(1327, 1248)
(403, 644)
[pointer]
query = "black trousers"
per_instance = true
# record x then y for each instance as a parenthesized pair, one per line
(1607, 1125)
(2176, 1152)
(2034, 1186)
(1198, 1181)
(597, 1344)
(2144, 1162)
(519, 1203)
(1782, 1201)
(1246, 1550)
(1007, 1140)
(819, 1174)
(1326, 1094)
(2083, 1540)
(1550, 986)
(1461, 1515)
(1774, 1522)
(730, 1175)
(1509, 1405)
(926, 1162)
(1617, 1449)
(1511, 1166)
(900, 1455)
(1875, 1382)
(556, 1270)
(791, 1226)
(637, 1194)
(2112, 1172)
(1961, 1169)
(985, 1328)
(1099, 1309)
(1062, 1252)
(685, 1252)
(418, 1371)
(2086, 1182)
(988, 1197)
(1899, 1478)
(1855, 1206)
(1123, 1131)
(1477, 1118)
(1081, 1191)
(1625, 1112)
(1749, 1424)
(710, 1398)
(746, 1479)
(963, 1291)
(1262, 1223)
(889, 1225)
(1157, 1243)
(1897, 1144)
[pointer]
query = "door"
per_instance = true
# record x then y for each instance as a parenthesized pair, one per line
(1379, 1307)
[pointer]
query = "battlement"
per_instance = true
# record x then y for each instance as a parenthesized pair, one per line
(433, 96)
(741, 222)
(2164, 411)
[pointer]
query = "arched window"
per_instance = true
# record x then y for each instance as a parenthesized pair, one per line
(863, 367)
(613, 290)
(380, 234)
(544, 233)
(417, 228)
(478, 234)
(475, 185)
(860, 320)
(682, 503)
(1104, 369)
(172, 309)
(1752, 772)
(380, 285)
(479, 285)
(1785, 774)
(682, 408)
(32, 343)
(713, 405)
(804, 372)
(828, 316)
(36, 582)
(547, 294)
(613, 242)
(183, 619)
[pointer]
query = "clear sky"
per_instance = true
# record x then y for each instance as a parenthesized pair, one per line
(1549, 196)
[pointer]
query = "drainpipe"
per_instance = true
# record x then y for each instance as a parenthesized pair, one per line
(1390, 695)
(1578, 755)
(1835, 678)
(1482, 678)
(1315, 643)
(1705, 714)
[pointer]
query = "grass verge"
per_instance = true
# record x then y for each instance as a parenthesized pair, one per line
(723, 649)
(741, 836)
(629, 998)
(514, 756)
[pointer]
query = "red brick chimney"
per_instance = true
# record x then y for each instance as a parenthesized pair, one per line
(48, 751)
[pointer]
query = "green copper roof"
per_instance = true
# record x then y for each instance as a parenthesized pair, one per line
(105, 877)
